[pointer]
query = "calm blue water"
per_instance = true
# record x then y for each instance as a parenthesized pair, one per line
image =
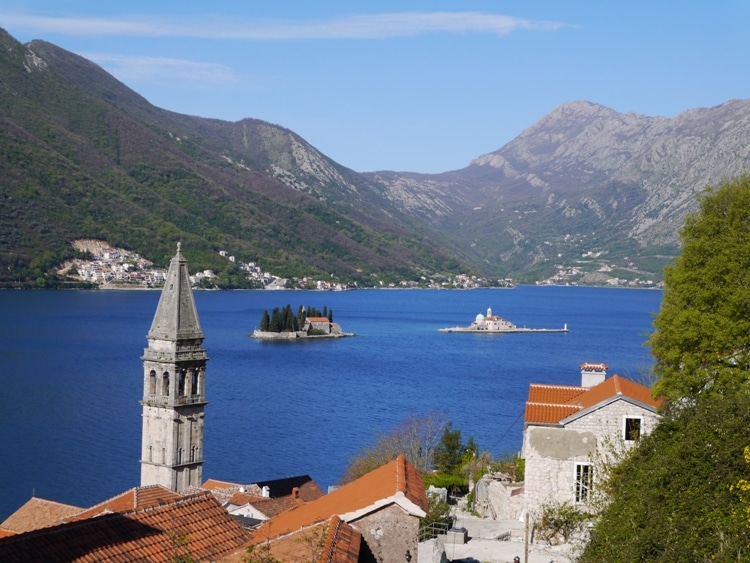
(70, 420)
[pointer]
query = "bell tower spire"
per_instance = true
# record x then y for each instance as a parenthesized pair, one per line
(174, 369)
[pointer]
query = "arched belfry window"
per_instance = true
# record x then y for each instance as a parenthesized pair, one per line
(194, 382)
(165, 384)
(181, 384)
(152, 383)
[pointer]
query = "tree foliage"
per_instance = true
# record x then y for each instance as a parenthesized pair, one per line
(416, 437)
(285, 320)
(701, 340)
(259, 554)
(449, 453)
(672, 498)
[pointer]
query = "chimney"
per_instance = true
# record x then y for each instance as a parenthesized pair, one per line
(266, 491)
(295, 493)
(592, 374)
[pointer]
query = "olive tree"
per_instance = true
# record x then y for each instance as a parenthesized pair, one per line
(416, 437)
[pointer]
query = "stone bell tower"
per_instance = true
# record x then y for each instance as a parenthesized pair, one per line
(174, 370)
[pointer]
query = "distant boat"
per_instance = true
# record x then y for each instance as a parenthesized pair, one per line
(490, 323)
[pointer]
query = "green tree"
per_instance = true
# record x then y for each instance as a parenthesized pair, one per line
(259, 554)
(701, 341)
(275, 324)
(264, 320)
(672, 498)
(438, 511)
(449, 453)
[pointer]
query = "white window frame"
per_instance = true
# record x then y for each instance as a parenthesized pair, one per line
(583, 482)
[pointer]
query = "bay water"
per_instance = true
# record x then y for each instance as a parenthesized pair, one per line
(71, 377)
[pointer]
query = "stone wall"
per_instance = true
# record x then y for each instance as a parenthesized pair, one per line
(552, 453)
(389, 533)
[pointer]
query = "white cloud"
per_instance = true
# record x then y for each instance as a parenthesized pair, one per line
(364, 26)
(130, 68)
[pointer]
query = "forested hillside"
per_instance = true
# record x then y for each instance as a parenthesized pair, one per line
(82, 156)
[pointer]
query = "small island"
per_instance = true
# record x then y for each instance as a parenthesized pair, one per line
(283, 324)
(494, 324)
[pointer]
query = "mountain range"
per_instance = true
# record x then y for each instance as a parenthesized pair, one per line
(585, 195)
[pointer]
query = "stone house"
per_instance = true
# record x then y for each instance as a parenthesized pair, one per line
(321, 324)
(567, 429)
(383, 507)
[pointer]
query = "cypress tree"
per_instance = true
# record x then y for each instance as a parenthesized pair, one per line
(275, 324)
(264, 321)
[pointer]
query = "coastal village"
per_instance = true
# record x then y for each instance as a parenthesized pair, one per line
(177, 514)
(117, 268)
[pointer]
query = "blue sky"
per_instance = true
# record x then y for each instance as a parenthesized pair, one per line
(420, 86)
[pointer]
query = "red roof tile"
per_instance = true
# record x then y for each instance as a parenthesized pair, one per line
(553, 394)
(37, 513)
(332, 541)
(137, 497)
(550, 404)
(195, 525)
(397, 481)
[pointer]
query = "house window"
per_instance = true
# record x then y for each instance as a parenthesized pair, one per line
(632, 429)
(584, 480)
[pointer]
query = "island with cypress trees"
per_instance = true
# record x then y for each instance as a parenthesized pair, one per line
(308, 322)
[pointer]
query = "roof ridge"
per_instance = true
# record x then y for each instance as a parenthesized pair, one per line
(555, 385)
(175, 501)
(330, 545)
(107, 501)
(539, 403)
(616, 382)
(401, 473)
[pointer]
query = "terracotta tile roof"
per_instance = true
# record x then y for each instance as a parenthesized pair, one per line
(195, 525)
(591, 366)
(224, 491)
(37, 513)
(284, 493)
(617, 385)
(212, 484)
(342, 544)
(318, 319)
(137, 497)
(553, 394)
(542, 413)
(334, 541)
(308, 489)
(271, 507)
(550, 404)
(241, 499)
(396, 482)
